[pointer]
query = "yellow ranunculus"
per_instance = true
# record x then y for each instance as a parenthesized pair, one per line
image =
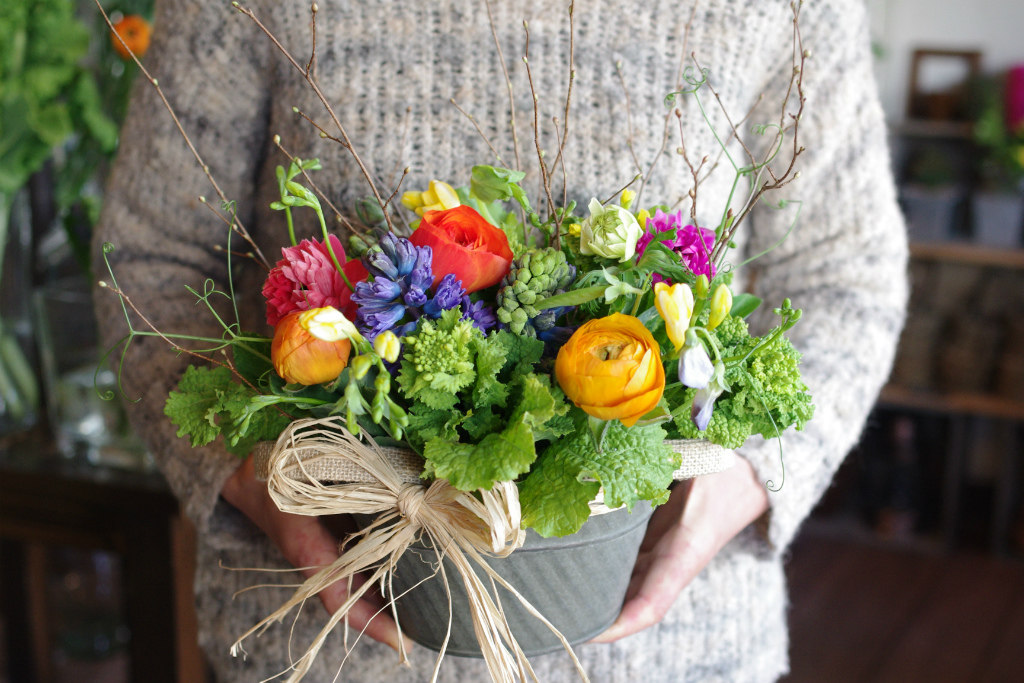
(611, 368)
(301, 358)
(721, 304)
(675, 304)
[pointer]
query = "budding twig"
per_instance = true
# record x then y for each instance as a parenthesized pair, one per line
(338, 216)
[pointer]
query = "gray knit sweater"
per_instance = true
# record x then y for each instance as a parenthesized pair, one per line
(388, 64)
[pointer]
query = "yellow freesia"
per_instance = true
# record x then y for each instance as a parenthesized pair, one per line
(438, 196)
(387, 346)
(328, 324)
(643, 217)
(721, 304)
(627, 199)
(675, 305)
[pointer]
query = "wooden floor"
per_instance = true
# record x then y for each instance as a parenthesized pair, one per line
(861, 614)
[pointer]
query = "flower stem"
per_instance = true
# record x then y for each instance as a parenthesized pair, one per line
(330, 249)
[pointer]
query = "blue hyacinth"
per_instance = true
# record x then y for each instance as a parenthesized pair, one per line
(398, 296)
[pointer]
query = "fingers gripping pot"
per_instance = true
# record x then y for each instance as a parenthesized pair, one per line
(459, 567)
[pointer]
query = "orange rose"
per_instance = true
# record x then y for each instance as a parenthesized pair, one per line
(301, 358)
(465, 244)
(134, 31)
(611, 368)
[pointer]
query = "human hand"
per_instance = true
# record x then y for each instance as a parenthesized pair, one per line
(305, 542)
(701, 516)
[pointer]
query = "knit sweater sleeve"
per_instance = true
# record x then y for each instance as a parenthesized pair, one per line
(204, 57)
(844, 265)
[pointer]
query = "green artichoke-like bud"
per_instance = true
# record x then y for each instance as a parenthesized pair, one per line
(533, 277)
(360, 244)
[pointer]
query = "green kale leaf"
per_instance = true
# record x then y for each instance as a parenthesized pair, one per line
(499, 456)
(634, 464)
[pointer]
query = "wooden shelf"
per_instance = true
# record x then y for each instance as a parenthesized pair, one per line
(966, 252)
(983, 405)
(952, 130)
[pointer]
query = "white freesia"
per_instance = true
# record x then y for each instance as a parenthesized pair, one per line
(695, 367)
(328, 324)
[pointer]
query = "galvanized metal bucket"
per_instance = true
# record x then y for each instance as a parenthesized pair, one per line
(578, 582)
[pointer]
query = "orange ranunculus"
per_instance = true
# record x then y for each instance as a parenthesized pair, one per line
(301, 358)
(134, 30)
(465, 244)
(611, 368)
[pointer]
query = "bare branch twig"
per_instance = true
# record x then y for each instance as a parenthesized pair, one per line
(478, 128)
(508, 85)
(327, 105)
(668, 117)
(536, 127)
(629, 117)
(188, 141)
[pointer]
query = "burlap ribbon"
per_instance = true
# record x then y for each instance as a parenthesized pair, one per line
(697, 458)
(462, 526)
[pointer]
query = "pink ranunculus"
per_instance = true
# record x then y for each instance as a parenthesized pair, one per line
(692, 244)
(306, 278)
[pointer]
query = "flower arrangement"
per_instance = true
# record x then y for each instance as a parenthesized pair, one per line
(540, 354)
(561, 357)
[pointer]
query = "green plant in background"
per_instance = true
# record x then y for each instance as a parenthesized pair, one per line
(63, 93)
(1003, 165)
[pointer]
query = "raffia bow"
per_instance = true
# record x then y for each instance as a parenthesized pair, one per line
(462, 527)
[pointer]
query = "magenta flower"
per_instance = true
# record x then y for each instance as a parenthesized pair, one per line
(692, 244)
(306, 278)
(1015, 99)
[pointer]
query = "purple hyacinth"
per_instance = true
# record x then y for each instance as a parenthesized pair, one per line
(483, 316)
(448, 294)
(402, 275)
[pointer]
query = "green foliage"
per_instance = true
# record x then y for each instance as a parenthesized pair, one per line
(744, 304)
(1003, 165)
(252, 359)
(499, 456)
(766, 394)
(724, 428)
(208, 403)
(51, 96)
(490, 184)
(633, 464)
(477, 407)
